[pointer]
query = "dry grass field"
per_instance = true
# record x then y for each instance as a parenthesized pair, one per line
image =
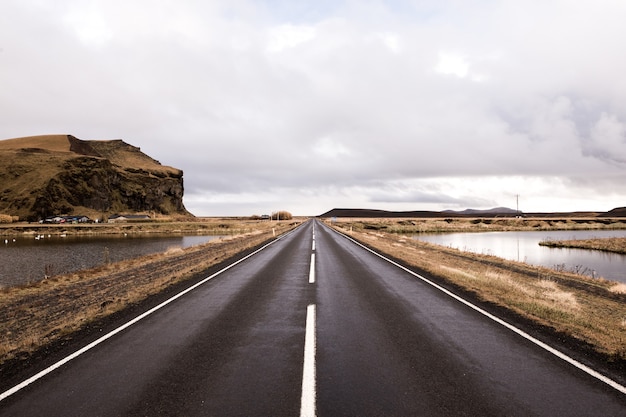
(114, 150)
(495, 224)
(122, 154)
(42, 313)
(158, 225)
(611, 244)
(56, 143)
(592, 311)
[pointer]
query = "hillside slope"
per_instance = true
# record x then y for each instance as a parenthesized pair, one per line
(616, 212)
(372, 213)
(41, 176)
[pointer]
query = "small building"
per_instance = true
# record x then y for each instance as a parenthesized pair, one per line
(52, 219)
(120, 218)
(66, 219)
(77, 219)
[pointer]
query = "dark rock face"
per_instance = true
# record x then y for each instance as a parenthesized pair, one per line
(93, 177)
(97, 184)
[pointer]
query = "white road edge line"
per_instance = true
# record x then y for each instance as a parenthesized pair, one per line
(307, 404)
(112, 333)
(312, 270)
(555, 352)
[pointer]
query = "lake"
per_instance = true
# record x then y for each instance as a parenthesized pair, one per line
(28, 259)
(524, 247)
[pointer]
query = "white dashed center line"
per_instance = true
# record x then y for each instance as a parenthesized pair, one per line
(307, 404)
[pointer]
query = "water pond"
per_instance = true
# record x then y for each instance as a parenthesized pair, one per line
(524, 247)
(29, 259)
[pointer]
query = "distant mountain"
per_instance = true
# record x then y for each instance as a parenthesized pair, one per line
(616, 212)
(493, 211)
(41, 176)
(372, 213)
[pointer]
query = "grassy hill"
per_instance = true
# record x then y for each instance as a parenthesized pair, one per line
(49, 175)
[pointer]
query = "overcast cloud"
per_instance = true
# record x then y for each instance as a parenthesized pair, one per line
(309, 105)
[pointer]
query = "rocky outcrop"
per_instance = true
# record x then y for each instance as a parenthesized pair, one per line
(50, 175)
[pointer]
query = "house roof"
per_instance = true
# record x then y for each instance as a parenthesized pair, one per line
(129, 216)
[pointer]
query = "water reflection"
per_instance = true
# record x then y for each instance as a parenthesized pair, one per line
(524, 247)
(28, 259)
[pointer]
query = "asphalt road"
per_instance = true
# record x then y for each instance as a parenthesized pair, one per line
(351, 336)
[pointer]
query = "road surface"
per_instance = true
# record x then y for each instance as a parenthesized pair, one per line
(314, 324)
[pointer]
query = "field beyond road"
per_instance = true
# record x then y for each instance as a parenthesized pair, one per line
(483, 224)
(612, 244)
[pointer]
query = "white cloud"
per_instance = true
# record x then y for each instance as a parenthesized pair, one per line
(407, 105)
(89, 24)
(608, 138)
(331, 149)
(390, 40)
(289, 36)
(452, 64)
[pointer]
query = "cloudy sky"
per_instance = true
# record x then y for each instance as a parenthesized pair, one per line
(309, 105)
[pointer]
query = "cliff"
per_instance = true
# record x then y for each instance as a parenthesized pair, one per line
(41, 176)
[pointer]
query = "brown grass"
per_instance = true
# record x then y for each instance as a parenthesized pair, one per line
(57, 143)
(619, 289)
(35, 315)
(159, 224)
(590, 310)
(126, 155)
(610, 244)
(498, 224)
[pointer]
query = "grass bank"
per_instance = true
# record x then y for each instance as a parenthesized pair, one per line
(201, 226)
(495, 224)
(591, 311)
(609, 244)
(36, 315)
